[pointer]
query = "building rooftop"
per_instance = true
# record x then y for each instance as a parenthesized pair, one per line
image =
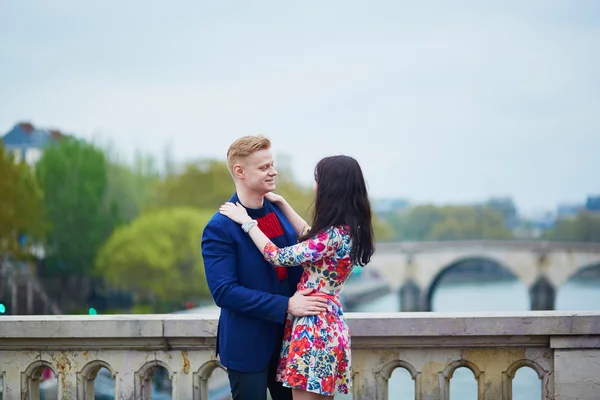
(25, 135)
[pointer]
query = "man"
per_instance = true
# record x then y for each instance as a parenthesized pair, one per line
(254, 296)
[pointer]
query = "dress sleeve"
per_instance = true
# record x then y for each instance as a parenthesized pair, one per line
(324, 244)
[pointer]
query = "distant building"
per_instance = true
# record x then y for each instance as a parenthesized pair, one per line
(27, 142)
(593, 203)
(541, 223)
(568, 211)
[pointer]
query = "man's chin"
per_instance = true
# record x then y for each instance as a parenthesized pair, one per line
(263, 190)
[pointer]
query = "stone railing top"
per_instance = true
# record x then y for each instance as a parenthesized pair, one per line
(44, 329)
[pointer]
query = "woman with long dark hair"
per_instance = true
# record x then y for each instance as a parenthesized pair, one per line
(315, 358)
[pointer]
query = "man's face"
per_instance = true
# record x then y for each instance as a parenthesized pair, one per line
(259, 172)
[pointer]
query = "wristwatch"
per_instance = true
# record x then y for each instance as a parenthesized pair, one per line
(246, 226)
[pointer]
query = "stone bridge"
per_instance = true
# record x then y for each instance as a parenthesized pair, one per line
(415, 268)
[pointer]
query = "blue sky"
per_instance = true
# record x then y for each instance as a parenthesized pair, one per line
(440, 101)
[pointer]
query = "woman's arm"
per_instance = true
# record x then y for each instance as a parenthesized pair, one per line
(310, 250)
(321, 245)
(299, 224)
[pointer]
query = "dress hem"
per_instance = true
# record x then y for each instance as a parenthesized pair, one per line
(285, 384)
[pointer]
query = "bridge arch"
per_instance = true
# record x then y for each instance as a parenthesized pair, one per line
(564, 265)
(585, 268)
(581, 290)
(413, 268)
(494, 267)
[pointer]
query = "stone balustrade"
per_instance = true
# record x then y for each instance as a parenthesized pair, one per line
(562, 347)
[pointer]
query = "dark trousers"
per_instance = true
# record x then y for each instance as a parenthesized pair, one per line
(253, 385)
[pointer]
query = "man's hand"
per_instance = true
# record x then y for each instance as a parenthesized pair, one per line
(301, 304)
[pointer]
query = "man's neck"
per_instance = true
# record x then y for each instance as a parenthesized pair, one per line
(250, 199)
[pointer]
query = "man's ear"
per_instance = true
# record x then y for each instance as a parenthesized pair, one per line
(238, 171)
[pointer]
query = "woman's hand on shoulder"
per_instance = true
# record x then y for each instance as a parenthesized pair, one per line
(274, 198)
(236, 212)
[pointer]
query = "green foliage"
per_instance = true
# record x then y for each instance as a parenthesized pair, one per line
(204, 185)
(130, 186)
(505, 207)
(428, 222)
(21, 211)
(584, 228)
(416, 223)
(299, 197)
(158, 255)
(382, 229)
(73, 177)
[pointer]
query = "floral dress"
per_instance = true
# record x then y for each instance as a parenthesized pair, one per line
(315, 356)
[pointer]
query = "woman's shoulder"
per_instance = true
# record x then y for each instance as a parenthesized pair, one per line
(342, 230)
(335, 232)
(338, 232)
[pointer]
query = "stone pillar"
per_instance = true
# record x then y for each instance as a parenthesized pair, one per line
(542, 294)
(576, 367)
(410, 295)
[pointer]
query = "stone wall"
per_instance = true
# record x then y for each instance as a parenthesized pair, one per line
(562, 347)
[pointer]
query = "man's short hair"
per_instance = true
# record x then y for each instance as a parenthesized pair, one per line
(245, 146)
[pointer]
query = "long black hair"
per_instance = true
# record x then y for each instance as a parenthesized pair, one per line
(342, 199)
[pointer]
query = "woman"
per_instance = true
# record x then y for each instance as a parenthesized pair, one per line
(315, 358)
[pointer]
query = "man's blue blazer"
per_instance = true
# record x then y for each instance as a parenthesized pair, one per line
(245, 286)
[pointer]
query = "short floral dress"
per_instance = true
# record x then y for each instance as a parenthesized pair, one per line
(315, 356)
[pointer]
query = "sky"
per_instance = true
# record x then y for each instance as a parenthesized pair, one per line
(444, 102)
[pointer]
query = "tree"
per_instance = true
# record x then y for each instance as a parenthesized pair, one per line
(381, 229)
(506, 208)
(203, 185)
(469, 223)
(21, 211)
(429, 222)
(130, 186)
(73, 177)
(158, 255)
(415, 223)
(584, 228)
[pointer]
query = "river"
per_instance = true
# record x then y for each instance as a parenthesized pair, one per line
(485, 296)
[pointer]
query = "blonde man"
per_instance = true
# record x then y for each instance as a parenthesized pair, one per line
(254, 296)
